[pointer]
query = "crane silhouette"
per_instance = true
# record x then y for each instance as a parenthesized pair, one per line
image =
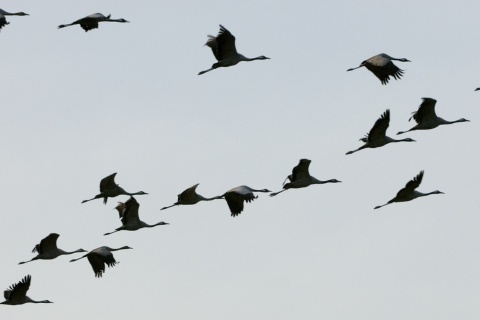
(99, 257)
(17, 293)
(236, 197)
(382, 67)
(109, 189)
(189, 197)
(130, 219)
(426, 118)
(377, 135)
(301, 178)
(91, 22)
(223, 48)
(47, 249)
(409, 193)
(3, 20)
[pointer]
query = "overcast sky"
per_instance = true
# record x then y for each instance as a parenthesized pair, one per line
(126, 98)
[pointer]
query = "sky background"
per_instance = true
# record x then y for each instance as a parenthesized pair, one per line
(126, 98)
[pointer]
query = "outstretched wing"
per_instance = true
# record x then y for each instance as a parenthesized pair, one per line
(47, 244)
(19, 290)
(380, 127)
(223, 45)
(300, 171)
(108, 182)
(411, 185)
(130, 214)
(383, 68)
(425, 111)
(189, 195)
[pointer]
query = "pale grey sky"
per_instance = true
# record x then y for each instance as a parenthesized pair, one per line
(126, 98)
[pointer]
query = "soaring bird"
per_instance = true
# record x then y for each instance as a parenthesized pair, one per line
(223, 47)
(190, 197)
(377, 135)
(130, 219)
(382, 67)
(47, 249)
(17, 293)
(409, 193)
(426, 118)
(3, 20)
(99, 257)
(91, 22)
(301, 178)
(109, 189)
(237, 196)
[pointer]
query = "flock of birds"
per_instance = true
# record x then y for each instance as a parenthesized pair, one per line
(224, 50)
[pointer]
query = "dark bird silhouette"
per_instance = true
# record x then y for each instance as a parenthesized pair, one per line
(99, 257)
(91, 22)
(301, 178)
(17, 293)
(223, 48)
(190, 197)
(377, 135)
(47, 249)
(3, 20)
(237, 196)
(409, 193)
(382, 67)
(130, 219)
(109, 189)
(426, 118)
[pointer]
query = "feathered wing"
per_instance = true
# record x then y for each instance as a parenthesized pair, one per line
(425, 111)
(411, 185)
(223, 45)
(235, 201)
(18, 290)
(108, 182)
(379, 129)
(384, 71)
(300, 171)
(188, 195)
(130, 214)
(47, 243)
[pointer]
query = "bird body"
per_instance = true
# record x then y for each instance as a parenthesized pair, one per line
(91, 22)
(109, 189)
(130, 219)
(17, 293)
(382, 67)
(377, 136)
(99, 257)
(47, 249)
(409, 193)
(426, 118)
(224, 50)
(3, 20)
(301, 178)
(190, 197)
(237, 196)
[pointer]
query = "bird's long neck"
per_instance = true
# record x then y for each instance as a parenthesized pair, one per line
(316, 181)
(173, 205)
(161, 223)
(79, 258)
(210, 199)
(70, 252)
(443, 121)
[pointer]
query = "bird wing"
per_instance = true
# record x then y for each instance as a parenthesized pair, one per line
(235, 202)
(188, 194)
(3, 21)
(379, 129)
(225, 45)
(108, 182)
(383, 68)
(47, 244)
(97, 263)
(300, 171)
(425, 111)
(18, 290)
(120, 208)
(130, 214)
(411, 185)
